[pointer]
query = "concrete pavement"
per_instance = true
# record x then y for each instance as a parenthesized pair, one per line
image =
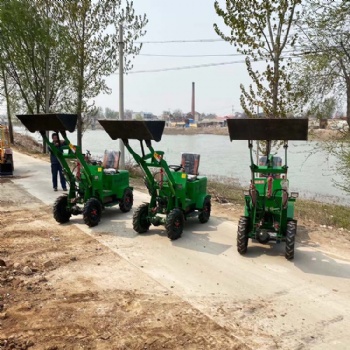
(260, 297)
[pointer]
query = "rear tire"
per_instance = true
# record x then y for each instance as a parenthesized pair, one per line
(290, 239)
(204, 215)
(127, 201)
(10, 160)
(60, 212)
(92, 212)
(242, 235)
(140, 220)
(174, 224)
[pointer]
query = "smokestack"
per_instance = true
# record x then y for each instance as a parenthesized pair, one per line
(193, 109)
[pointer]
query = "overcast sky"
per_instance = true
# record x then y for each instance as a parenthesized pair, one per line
(217, 87)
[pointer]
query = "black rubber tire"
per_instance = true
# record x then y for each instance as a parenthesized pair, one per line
(204, 215)
(127, 201)
(174, 224)
(140, 221)
(92, 212)
(10, 160)
(242, 235)
(290, 239)
(60, 212)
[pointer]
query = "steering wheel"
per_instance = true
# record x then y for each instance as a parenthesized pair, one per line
(175, 167)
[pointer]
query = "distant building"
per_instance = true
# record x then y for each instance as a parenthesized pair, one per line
(137, 115)
(149, 116)
(144, 116)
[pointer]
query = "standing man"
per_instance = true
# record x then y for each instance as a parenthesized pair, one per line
(56, 167)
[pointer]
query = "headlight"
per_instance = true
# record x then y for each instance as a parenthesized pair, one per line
(294, 194)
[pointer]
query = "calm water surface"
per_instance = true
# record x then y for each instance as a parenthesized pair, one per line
(310, 172)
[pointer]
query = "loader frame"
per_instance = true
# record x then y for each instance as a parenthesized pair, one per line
(173, 196)
(269, 204)
(89, 185)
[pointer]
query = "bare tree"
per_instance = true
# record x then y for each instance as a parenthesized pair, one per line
(262, 30)
(324, 67)
(93, 29)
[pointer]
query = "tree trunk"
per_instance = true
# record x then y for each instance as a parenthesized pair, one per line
(81, 88)
(79, 121)
(8, 106)
(276, 78)
(80, 107)
(80, 101)
(348, 102)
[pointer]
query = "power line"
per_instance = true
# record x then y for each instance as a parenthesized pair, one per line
(186, 67)
(180, 41)
(213, 55)
(194, 66)
(205, 55)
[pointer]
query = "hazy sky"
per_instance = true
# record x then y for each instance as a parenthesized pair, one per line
(217, 88)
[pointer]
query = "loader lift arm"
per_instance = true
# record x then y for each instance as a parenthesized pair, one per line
(145, 132)
(59, 123)
(269, 206)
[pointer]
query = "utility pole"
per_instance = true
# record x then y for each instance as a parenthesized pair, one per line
(47, 81)
(121, 92)
(193, 108)
(47, 97)
(257, 142)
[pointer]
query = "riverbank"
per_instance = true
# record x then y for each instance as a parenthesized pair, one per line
(62, 289)
(229, 195)
(314, 134)
(67, 286)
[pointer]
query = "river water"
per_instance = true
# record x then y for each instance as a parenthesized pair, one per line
(310, 172)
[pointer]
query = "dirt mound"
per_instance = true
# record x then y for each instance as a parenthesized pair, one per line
(62, 289)
(27, 144)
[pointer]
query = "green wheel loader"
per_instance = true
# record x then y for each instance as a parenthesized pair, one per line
(269, 203)
(92, 186)
(177, 192)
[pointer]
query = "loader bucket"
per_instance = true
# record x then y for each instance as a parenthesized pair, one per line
(49, 122)
(268, 129)
(134, 129)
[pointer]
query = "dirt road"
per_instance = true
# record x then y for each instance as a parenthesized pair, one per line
(108, 288)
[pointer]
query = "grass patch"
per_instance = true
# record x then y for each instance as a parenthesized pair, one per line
(135, 171)
(320, 213)
(224, 192)
(26, 144)
(317, 212)
(323, 214)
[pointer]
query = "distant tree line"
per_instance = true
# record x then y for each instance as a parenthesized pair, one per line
(306, 47)
(69, 46)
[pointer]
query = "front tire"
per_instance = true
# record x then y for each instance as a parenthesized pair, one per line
(60, 211)
(290, 239)
(127, 201)
(242, 235)
(92, 212)
(140, 219)
(204, 215)
(174, 224)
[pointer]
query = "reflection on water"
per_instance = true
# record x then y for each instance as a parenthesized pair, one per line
(310, 171)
